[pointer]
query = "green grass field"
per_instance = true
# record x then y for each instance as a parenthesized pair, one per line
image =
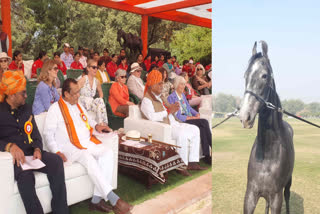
(232, 145)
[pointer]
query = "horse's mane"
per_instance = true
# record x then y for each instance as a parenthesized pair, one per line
(251, 61)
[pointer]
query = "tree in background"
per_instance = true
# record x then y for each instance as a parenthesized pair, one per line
(48, 24)
(293, 106)
(192, 41)
(225, 103)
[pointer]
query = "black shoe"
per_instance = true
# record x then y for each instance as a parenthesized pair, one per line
(208, 160)
(101, 206)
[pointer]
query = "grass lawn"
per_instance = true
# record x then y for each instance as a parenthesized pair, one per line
(134, 192)
(232, 145)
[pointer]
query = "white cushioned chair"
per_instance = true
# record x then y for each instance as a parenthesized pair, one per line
(78, 184)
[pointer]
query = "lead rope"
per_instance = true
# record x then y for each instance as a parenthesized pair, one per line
(235, 113)
(271, 106)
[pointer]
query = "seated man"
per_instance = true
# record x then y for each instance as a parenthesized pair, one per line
(155, 108)
(135, 83)
(68, 131)
(16, 115)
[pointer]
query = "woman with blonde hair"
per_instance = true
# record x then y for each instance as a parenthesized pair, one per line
(200, 82)
(89, 85)
(46, 92)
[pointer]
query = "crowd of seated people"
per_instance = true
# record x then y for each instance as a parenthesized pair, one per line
(170, 94)
(198, 82)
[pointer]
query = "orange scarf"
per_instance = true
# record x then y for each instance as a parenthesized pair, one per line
(71, 128)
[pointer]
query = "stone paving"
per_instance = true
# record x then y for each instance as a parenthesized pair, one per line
(191, 197)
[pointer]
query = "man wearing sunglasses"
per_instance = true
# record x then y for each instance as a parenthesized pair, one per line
(20, 137)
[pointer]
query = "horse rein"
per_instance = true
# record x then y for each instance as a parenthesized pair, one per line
(278, 109)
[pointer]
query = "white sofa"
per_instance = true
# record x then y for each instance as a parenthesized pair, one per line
(78, 184)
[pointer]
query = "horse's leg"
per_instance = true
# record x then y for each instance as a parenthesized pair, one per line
(287, 194)
(250, 201)
(276, 203)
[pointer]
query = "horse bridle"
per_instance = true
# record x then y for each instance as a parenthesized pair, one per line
(262, 100)
(275, 108)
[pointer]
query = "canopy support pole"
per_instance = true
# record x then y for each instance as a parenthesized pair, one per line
(6, 21)
(144, 35)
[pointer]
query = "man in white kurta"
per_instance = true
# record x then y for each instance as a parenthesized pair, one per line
(96, 158)
(154, 108)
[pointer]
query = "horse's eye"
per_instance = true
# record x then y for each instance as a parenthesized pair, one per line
(264, 76)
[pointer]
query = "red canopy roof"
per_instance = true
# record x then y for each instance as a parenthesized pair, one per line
(195, 12)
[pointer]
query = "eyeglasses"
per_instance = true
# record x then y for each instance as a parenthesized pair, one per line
(199, 69)
(1, 61)
(122, 77)
(94, 67)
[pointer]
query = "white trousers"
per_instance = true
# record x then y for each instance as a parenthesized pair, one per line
(98, 160)
(188, 138)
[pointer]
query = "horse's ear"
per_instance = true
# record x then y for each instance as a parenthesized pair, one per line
(254, 49)
(264, 48)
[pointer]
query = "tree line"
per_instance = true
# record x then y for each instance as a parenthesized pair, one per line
(224, 103)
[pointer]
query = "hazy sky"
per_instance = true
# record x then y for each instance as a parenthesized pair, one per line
(292, 31)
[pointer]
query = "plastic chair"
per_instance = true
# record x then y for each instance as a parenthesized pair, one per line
(38, 71)
(31, 90)
(74, 73)
(143, 75)
(115, 122)
(61, 77)
(133, 98)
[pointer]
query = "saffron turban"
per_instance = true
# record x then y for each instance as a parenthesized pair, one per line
(12, 82)
(154, 77)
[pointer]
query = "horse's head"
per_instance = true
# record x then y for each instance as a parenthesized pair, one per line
(259, 81)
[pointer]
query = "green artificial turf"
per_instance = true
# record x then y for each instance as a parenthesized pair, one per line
(232, 145)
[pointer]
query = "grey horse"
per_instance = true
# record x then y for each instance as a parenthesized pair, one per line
(272, 156)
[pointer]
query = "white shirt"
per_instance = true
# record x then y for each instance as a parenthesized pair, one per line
(83, 61)
(67, 59)
(55, 131)
(147, 109)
